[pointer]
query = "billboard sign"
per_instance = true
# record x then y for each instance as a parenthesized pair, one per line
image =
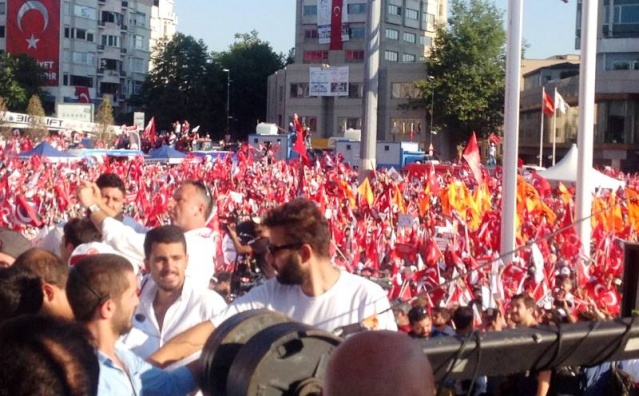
(332, 81)
(74, 111)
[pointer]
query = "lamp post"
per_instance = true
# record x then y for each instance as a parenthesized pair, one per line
(432, 109)
(228, 101)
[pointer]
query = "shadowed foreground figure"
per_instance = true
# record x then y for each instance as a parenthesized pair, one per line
(380, 363)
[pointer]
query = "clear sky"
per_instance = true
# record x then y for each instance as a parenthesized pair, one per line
(548, 25)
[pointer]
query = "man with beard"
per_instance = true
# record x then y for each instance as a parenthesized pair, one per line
(307, 287)
(168, 305)
(102, 291)
(188, 209)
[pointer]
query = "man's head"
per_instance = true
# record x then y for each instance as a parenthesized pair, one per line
(522, 310)
(191, 205)
(112, 190)
(12, 244)
(441, 316)
(297, 232)
(165, 256)
(77, 231)
(463, 319)
(103, 288)
(54, 274)
(20, 292)
(47, 356)
(379, 363)
(420, 322)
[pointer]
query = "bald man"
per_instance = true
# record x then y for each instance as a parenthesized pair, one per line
(380, 363)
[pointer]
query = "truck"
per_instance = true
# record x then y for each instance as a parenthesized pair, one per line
(388, 154)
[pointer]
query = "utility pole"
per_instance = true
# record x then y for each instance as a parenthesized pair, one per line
(228, 101)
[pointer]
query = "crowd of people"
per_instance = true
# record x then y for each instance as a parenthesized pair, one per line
(428, 242)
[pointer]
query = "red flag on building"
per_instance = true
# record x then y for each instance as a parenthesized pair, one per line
(548, 104)
(471, 155)
(83, 94)
(336, 26)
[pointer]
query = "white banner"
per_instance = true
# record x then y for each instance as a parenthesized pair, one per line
(20, 120)
(332, 81)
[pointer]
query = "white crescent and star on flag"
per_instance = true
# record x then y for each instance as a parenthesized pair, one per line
(32, 42)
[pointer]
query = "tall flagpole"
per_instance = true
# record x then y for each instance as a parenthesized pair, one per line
(511, 127)
(554, 129)
(541, 130)
(587, 71)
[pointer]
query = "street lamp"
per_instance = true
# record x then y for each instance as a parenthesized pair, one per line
(228, 101)
(432, 108)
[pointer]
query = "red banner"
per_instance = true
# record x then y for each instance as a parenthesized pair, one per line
(33, 28)
(336, 26)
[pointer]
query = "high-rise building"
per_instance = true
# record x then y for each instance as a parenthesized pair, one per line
(163, 22)
(325, 85)
(91, 48)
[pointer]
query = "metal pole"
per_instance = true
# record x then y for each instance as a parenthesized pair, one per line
(432, 108)
(228, 101)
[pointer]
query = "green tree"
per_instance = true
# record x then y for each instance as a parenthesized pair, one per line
(467, 64)
(37, 129)
(179, 87)
(104, 122)
(250, 61)
(20, 78)
(4, 130)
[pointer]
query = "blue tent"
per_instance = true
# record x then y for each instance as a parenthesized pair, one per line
(51, 153)
(166, 154)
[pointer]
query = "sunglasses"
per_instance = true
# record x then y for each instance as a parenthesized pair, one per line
(272, 249)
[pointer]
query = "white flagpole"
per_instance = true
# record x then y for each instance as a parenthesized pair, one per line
(541, 130)
(587, 73)
(554, 129)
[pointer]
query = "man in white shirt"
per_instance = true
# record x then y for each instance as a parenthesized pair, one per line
(168, 304)
(189, 209)
(307, 287)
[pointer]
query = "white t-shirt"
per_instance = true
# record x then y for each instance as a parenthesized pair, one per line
(350, 300)
(200, 246)
(193, 307)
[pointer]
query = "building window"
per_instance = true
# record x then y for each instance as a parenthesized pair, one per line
(309, 10)
(80, 34)
(626, 14)
(310, 34)
(404, 90)
(357, 32)
(354, 56)
(391, 56)
(65, 79)
(3, 8)
(111, 41)
(621, 65)
(355, 91)
(394, 9)
(1, 31)
(410, 37)
(85, 12)
(357, 8)
(391, 34)
(315, 56)
(412, 14)
(425, 41)
(408, 58)
(83, 58)
(139, 19)
(81, 81)
(299, 90)
(430, 22)
(404, 126)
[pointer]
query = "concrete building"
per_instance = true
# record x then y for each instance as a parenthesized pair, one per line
(407, 30)
(91, 48)
(163, 22)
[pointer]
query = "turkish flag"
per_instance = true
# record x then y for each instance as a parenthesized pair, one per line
(336, 26)
(471, 155)
(33, 28)
(83, 94)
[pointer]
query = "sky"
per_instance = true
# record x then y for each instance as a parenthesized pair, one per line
(548, 25)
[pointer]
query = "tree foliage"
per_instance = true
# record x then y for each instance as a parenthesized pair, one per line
(20, 78)
(37, 129)
(104, 122)
(467, 64)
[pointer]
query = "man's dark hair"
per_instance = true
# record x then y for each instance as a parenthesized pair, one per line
(111, 180)
(417, 314)
(94, 280)
(49, 267)
(303, 223)
(445, 312)
(205, 194)
(163, 234)
(80, 230)
(528, 301)
(463, 318)
(20, 292)
(42, 355)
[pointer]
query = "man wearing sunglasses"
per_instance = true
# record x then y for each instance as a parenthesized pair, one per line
(189, 208)
(307, 286)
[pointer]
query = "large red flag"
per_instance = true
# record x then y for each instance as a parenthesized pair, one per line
(149, 131)
(471, 155)
(336, 26)
(300, 146)
(548, 104)
(33, 28)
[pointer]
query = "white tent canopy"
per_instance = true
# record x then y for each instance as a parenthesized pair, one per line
(566, 171)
